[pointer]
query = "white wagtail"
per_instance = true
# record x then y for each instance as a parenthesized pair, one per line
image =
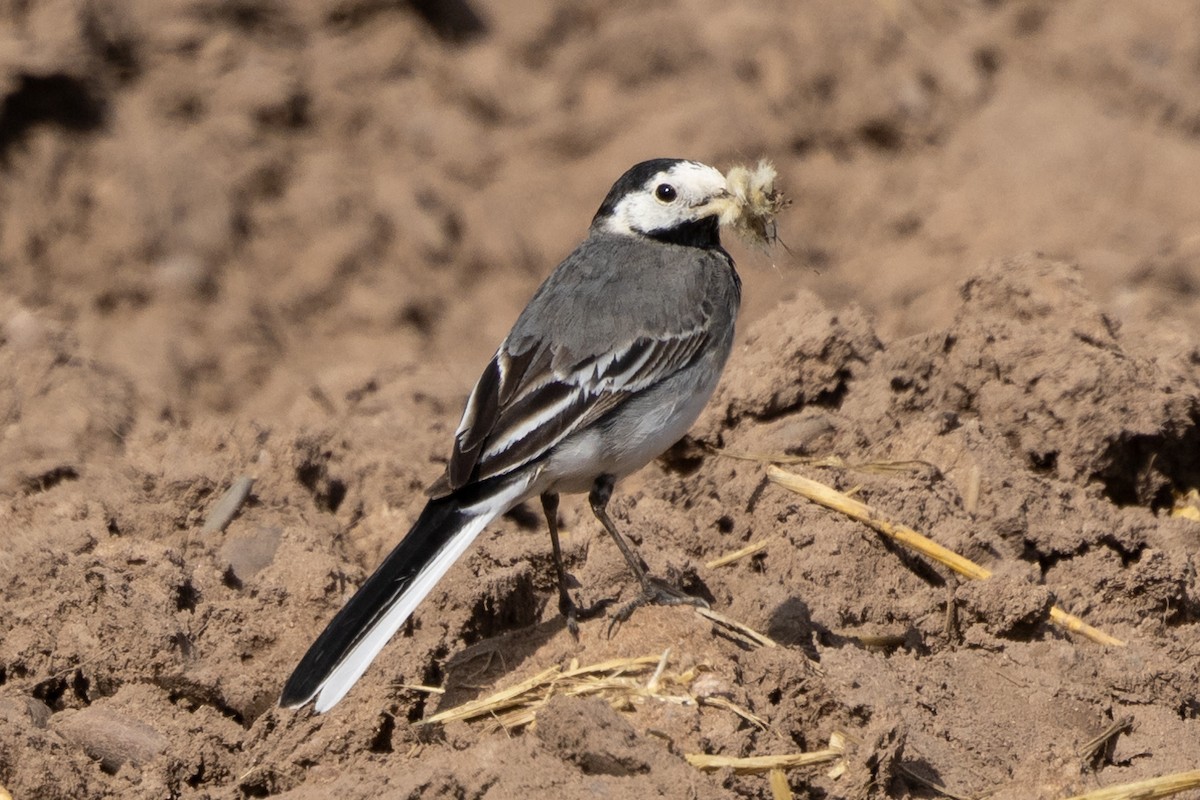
(608, 366)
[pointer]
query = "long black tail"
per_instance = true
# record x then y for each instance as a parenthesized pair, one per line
(348, 645)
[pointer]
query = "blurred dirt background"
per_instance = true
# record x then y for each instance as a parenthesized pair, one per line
(252, 238)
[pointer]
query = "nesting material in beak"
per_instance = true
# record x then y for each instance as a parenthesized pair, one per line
(753, 203)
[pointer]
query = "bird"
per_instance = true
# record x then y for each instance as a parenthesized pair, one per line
(607, 367)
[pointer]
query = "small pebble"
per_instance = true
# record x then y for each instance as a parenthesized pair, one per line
(110, 737)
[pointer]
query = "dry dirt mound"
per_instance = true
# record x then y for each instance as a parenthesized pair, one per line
(157, 657)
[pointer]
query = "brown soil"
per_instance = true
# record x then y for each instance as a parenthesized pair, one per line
(253, 238)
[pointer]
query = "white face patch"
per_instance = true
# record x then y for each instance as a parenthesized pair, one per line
(672, 197)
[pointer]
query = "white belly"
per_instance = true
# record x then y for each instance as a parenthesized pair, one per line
(640, 431)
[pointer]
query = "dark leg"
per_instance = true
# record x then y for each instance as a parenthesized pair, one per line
(566, 605)
(599, 497)
(653, 591)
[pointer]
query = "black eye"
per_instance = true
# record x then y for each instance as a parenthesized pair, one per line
(665, 192)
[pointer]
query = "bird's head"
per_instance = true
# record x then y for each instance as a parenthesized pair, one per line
(667, 199)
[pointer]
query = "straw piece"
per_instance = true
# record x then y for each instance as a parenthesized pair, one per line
(780, 790)
(1074, 624)
(652, 684)
(729, 705)
(828, 461)
(1163, 786)
(971, 492)
(616, 665)
(757, 764)
(736, 627)
(1088, 750)
(831, 498)
(729, 558)
(228, 506)
(623, 683)
(505, 698)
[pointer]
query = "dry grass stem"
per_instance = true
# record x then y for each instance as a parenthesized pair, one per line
(736, 555)
(652, 684)
(729, 705)
(733, 626)
(831, 498)
(1164, 786)
(971, 493)
(758, 764)
(622, 682)
(417, 687)
(228, 506)
(827, 462)
(1074, 624)
(1091, 747)
(780, 790)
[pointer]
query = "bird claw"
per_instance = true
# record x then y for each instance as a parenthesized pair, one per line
(653, 593)
(572, 611)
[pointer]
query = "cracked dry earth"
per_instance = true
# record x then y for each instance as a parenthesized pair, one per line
(259, 240)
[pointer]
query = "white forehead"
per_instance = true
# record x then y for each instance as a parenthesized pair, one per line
(641, 211)
(690, 175)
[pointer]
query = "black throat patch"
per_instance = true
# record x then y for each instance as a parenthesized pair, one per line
(704, 233)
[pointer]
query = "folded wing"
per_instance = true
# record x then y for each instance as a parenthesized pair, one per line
(523, 405)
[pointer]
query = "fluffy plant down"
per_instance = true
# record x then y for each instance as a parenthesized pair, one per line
(754, 202)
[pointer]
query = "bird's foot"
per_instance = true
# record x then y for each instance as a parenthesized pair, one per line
(572, 612)
(657, 593)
